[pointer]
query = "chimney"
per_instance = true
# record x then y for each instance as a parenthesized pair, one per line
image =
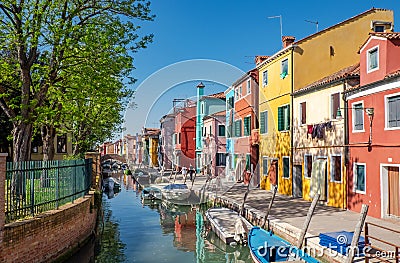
(287, 41)
(260, 59)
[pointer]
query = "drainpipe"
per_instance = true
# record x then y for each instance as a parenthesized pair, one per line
(346, 147)
(291, 114)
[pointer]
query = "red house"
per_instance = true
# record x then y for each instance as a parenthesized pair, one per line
(183, 140)
(374, 129)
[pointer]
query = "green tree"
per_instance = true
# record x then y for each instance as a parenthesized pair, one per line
(46, 43)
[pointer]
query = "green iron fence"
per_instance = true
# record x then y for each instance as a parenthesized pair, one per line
(34, 187)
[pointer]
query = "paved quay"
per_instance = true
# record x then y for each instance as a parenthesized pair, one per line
(288, 214)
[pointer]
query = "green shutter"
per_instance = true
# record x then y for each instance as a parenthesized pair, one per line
(246, 125)
(280, 119)
(262, 122)
(287, 121)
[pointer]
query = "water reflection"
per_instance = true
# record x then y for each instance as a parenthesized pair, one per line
(133, 230)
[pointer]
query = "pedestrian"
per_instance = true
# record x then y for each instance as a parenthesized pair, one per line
(184, 172)
(191, 172)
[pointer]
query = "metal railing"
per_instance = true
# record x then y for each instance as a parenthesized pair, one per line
(379, 253)
(34, 187)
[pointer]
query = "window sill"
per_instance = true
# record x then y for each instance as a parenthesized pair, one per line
(360, 192)
(391, 128)
(357, 131)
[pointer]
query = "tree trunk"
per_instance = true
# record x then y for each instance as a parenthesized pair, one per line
(22, 135)
(48, 134)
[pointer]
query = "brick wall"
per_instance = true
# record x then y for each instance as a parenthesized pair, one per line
(50, 235)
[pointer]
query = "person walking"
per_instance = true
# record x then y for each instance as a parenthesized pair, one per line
(191, 172)
(184, 173)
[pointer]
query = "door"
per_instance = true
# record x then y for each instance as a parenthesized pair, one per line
(394, 191)
(297, 181)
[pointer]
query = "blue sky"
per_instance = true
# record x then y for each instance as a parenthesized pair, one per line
(232, 32)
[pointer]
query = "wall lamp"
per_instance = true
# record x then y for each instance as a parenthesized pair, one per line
(370, 113)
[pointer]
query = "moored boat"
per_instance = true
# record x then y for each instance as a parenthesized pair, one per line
(151, 193)
(228, 225)
(266, 247)
(176, 192)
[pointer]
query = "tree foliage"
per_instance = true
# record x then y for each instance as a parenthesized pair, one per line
(65, 64)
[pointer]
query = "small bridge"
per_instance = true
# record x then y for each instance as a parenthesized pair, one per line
(112, 157)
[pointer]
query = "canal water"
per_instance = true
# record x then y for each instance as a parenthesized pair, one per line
(132, 231)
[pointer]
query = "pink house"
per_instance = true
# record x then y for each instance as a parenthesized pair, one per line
(374, 129)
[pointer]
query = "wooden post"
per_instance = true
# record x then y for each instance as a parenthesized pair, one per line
(270, 206)
(308, 220)
(366, 233)
(357, 233)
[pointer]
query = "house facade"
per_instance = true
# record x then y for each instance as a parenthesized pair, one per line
(206, 105)
(275, 86)
(183, 139)
(245, 120)
(167, 129)
(214, 147)
(229, 131)
(374, 128)
(320, 138)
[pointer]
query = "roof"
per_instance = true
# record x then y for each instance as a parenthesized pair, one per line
(220, 95)
(251, 73)
(372, 10)
(352, 71)
(388, 35)
(216, 114)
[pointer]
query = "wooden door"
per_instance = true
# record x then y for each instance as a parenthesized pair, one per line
(394, 191)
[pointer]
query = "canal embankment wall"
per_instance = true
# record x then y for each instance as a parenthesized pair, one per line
(51, 235)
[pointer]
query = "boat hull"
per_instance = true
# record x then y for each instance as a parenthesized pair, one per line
(223, 221)
(266, 247)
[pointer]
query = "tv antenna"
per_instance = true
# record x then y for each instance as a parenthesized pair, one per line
(280, 22)
(313, 22)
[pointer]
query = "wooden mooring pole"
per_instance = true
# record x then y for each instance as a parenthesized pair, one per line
(357, 233)
(307, 221)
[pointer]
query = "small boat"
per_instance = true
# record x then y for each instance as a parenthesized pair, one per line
(141, 178)
(228, 225)
(151, 193)
(176, 192)
(110, 183)
(266, 247)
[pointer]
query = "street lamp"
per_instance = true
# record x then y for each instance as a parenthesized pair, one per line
(370, 113)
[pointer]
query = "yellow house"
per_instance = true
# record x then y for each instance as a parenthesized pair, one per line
(319, 138)
(62, 148)
(336, 47)
(295, 67)
(275, 82)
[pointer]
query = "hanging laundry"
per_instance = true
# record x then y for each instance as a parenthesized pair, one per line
(309, 130)
(328, 125)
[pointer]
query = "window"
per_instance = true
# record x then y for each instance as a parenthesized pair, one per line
(284, 68)
(379, 28)
(283, 118)
(336, 171)
(202, 108)
(179, 138)
(265, 78)
(240, 91)
(264, 122)
(286, 173)
(248, 86)
(238, 128)
(335, 104)
(230, 103)
(265, 165)
(307, 165)
(372, 59)
(221, 159)
(210, 132)
(221, 130)
(358, 117)
(61, 144)
(35, 149)
(303, 113)
(393, 111)
(247, 125)
(359, 177)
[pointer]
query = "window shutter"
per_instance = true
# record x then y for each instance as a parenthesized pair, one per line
(394, 111)
(287, 120)
(280, 119)
(262, 122)
(303, 113)
(335, 104)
